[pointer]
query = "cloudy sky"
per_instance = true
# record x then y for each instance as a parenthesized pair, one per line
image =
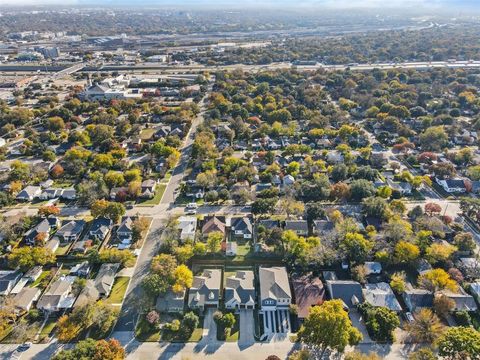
(268, 3)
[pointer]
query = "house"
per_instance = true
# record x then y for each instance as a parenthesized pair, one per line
(417, 298)
(8, 280)
(205, 290)
(269, 224)
(187, 226)
(81, 269)
(125, 232)
(100, 228)
(105, 278)
(422, 266)
(57, 297)
(240, 291)
(50, 193)
(474, 288)
(462, 301)
(88, 294)
(68, 194)
(323, 227)
(171, 302)
(274, 288)
(349, 291)
(402, 187)
(242, 227)
(300, 227)
(54, 222)
(29, 193)
(33, 274)
(53, 244)
(148, 189)
(24, 300)
(308, 291)
(41, 231)
(381, 294)
(71, 231)
(288, 180)
(452, 185)
(213, 224)
(81, 246)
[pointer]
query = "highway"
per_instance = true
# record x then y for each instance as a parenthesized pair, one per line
(63, 70)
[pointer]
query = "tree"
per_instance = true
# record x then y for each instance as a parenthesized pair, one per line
(422, 354)
(443, 305)
(55, 123)
(155, 284)
(95, 350)
(152, 317)
(48, 210)
(113, 255)
(228, 321)
(264, 206)
(397, 282)
(183, 278)
(361, 188)
(114, 178)
(436, 280)
(361, 356)
(289, 206)
(464, 241)
(433, 138)
(303, 354)
(272, 357)
(376, 207)
(355, 247)
(184, 252)
(108, 209)
(214, 240)
(328, 327)
(405, 252)
(460, 343)
(26, 257)
(437, 252)
(190, 321)
(380, 321)
(426, 327)
(140, 225)
(432, 209)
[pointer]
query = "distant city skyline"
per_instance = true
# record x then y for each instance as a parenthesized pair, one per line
(370, 4)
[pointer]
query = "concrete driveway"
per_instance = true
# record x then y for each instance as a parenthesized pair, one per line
(247, 327)
(209, 326)
(357, 321)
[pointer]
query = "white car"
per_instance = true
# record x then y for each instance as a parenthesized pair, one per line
(409, 317)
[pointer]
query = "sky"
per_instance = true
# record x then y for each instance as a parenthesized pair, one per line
(260, 3)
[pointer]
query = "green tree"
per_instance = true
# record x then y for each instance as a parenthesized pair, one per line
(460, 343)
(214, 240)
(434, 138)
(328, 327)
(355, 247)
(381, 322)
(26, 257)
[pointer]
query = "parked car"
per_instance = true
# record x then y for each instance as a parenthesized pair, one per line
(24, 347)
(409, 317)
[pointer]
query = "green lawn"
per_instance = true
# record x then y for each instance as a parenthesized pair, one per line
(118, 290)
(48, 329)
(144, 331)
(159, 190)
(234, 332)
(62, 250)
(197, 335)
(5, 332)
(41, 278)
(146, 134)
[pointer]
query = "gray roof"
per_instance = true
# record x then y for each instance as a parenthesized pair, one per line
(170, 301)
(89, 294)
(240, 287)
(205, 288)
(42, 227)
(345, 290)
(381, 294)
(296, 225)
(101, 226)
(274, 283)
(106, 277)
(73, 227)
(244, 224)
(24, 298)
(323, 226)
(417, 298)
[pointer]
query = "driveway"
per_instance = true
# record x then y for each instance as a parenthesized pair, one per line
(357, 321)
(209, 326)
(247, 327)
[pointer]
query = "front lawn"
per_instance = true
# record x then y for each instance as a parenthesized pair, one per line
(144, 331)
(159, 190)
(62, 250)
(118, 290)
(234, 332)
(42, 280)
